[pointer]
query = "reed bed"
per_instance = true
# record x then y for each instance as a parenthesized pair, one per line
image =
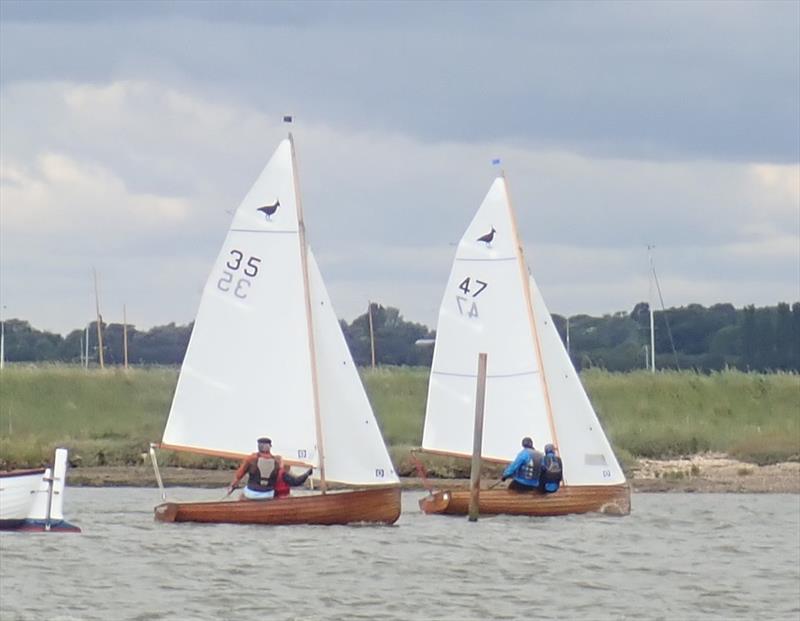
(110, 417)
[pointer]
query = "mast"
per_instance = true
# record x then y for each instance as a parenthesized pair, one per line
(312, 350)
(650, 303)
(125, 336)
(371, 334)
(526, 287)
(99, 322)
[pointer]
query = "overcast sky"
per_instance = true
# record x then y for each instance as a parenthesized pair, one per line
(129, 131)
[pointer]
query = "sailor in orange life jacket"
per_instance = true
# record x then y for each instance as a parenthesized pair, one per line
(286, 480)
(262, 470)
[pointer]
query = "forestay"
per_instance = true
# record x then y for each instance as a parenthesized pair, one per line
(486, 309)
(247, 370)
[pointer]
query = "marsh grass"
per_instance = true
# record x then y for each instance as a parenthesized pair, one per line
(110, 417)
(753, 417)
(104, 417)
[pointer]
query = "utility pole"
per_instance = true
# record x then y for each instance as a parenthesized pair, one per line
(652, 321)
(99, 323)
(371, 333)
(125, 337)
(3, 338)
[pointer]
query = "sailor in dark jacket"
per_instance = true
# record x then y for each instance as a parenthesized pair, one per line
(526, 469)
(552, 470)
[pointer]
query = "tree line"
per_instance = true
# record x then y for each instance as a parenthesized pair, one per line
(689, 337)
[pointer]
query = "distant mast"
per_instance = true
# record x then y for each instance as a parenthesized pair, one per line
(99, 323)
(2, 338)
(650, 304)
(125, 337)
(371, 333)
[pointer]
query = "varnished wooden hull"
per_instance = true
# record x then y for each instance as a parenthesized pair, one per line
(381, 505)
(609, 499)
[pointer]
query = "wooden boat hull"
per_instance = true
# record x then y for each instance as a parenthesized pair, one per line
(381, 505)
(608, 499)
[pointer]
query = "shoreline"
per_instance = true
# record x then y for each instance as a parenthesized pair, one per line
(696, 474)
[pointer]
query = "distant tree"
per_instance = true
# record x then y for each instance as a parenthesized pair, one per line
(161, 344)
(395, 338)
(749, 337)
(26, 344)
(795, 357)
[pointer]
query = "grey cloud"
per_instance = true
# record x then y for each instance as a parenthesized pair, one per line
(651, 80)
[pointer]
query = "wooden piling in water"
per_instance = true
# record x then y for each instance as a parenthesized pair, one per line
(477, 441)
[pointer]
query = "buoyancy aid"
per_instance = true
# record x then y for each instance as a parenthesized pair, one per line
(532, 469)
(552, 472)
(262, 472)
(552, 469)
(282, 488)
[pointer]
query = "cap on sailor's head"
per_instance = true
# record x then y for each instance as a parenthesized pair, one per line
(527, 442)
(264, 440)
(549, 448)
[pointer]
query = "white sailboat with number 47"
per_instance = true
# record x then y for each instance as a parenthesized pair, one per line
(492, 305)
(267, 357)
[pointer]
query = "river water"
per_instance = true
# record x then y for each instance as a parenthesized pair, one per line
(677, 556)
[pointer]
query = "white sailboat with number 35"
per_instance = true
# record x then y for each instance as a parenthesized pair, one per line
(267, 357)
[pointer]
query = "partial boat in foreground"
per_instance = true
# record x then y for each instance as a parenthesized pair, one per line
(492, 305)
(267, 357)
(33, 500)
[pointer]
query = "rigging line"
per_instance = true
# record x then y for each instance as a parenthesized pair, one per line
(262, 231)
(488, 376)
(488, 260)
(666, 319)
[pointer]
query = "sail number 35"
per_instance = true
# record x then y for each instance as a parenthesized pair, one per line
(239, 284)
(473, 288)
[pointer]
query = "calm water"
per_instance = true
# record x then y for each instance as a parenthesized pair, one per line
(677, 556)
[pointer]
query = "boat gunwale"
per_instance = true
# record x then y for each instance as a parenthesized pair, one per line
(9, 474)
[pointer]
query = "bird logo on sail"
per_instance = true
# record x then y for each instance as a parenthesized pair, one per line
(487, 239)
(269, 210)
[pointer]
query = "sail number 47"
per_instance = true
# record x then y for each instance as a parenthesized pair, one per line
(467, 305)
(242, 284)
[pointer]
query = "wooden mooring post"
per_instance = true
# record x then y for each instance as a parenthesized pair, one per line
(477, 442)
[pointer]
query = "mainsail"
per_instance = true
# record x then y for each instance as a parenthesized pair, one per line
(493, 305)
(248, 369)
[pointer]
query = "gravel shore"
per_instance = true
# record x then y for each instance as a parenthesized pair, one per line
(699, 473)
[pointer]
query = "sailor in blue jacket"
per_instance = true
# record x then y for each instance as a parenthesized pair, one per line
(526, 469)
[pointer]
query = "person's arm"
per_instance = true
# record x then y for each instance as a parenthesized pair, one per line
(514, 465)
(240, 472)
(294, 481)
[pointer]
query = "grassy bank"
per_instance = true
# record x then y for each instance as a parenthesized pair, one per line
(110, 417)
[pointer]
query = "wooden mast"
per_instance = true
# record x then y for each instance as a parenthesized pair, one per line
(125, 337)
(526, 287)
(371, 333)
(99, 323)
(312, 350)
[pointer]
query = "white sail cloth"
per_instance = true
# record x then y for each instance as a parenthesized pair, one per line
(485, 309)
(247, 371)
